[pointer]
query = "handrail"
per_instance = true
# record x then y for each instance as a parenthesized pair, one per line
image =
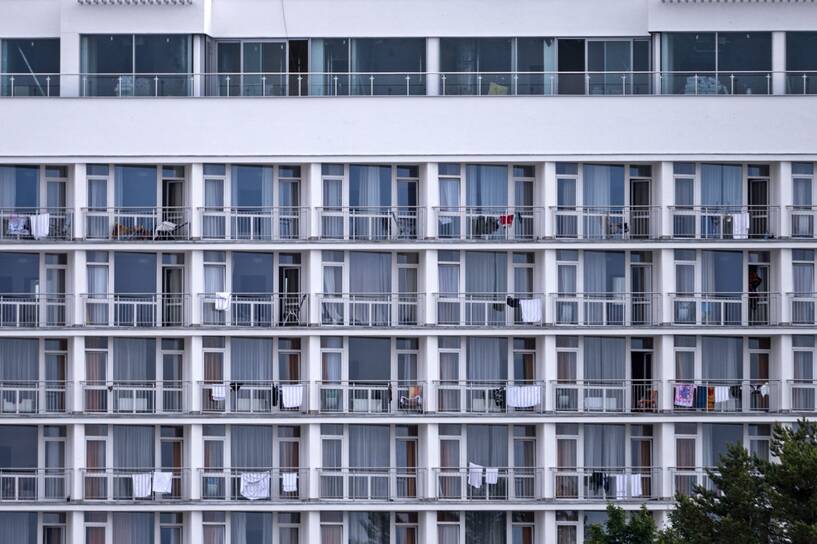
(34, 310)
(372, 396)
(133, 484)
(518, 397)
(36, 223)
(607, 309)
(490, 309)
(607, 483)
(136, 396)
(137, 223)
(478, 483)
(253, 310)
(375, 484)
(371, 222)
(35, 397)
(35, 484)
(242, 484)
(490, 223)
(725, 309)
(267, 223)
(372, 309)
(725, 222)
(135, 310)
(606, 222)
(606, 396)
(254, 396)
(725, 396)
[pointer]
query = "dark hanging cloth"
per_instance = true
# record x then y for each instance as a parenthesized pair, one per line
(499, 397)
(512, 302)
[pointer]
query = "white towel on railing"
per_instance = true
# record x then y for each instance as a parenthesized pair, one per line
(740, 225)
(222, 301)
(620, 481)
(39, 225)
(523, 396)
(635, 485)
(491, 475)
(289, 482)
(218, 391)
(255, 485)
(141, 484)
(475, 475)
(531, 310)
(162, 482)
(292, 395)
(721, 393)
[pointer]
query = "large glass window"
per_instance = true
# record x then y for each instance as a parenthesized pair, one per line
(801, 58)
(477, 65)
(34, 65)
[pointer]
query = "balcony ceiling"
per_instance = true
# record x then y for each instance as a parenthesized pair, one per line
(135, 2)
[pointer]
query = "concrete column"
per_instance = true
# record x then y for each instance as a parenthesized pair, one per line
(194, 529)
(430, 456)
(546, 442)
(546, 367)
(428, 527)
(546, 529)
(199, 66)
(194, 454)
(778, 62)
(665, 368)
(76, 459)
(783, 282)
(433, 66)
(664, 190)
(311, 525)
(79, 286)
(313, 457)
(195, 285)
(311, 347)
(783, 372)
(656, 63)
(314, 284)
(313, 196)
(666, 283)
(783, 195)
(551, 283)
(431, 362)
(70, 81)
(79, 193)
(429, 198)
(76, 370)
(75, 527)
(545, 186)
(665, 454)
(429, 283)
(196, 200)
(195, 371)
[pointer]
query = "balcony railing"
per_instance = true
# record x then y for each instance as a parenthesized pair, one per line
(35, 484)
(31, 310)
(34, 397)
(606, 223)
(684, 480)
(606, 396)
(136, 397)
(607, 483)
(801, 219)
(491, 397)
(725, 222)
(477, 483)
(372, 484)
(255, 223)
(802, 307)
(725, 309)
(490, 309)
(254, 309)
(372, 223)
(254, 397)
(140, 224)
(254, 484)
(134, 484)
(36, 224)
(372, 309)
(803, 394)
(490, 223)
(725, 396)
(372, 397)
(607, 309)
(135, 309)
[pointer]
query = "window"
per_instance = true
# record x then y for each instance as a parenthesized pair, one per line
(406, 528)
(523, 527)
(214, 527)
(801, 58)
(803, 279)
(331, 527)
(803, 394)
(461, 59)
(759, 438)
(34, 64)
(171, 525)
(567, 526)
(448, 527)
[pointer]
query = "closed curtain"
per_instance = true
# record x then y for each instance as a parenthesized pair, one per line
(717, 437)
(213, 193)
(486, 272)
(19, 361)
(134, 359)
(18, 527)
(486, 185)
(251, 446)
(604, 358)
(97, 280)
(566, 279)
(369, 528)
(604, 272)
(803, 278)
(801, 191)
(487, 359)
(369, 186)
(449, 193)
(250, 527)
(603, 185)
(369, 446)
(251, 359)
(213, 278)
(135, 186)
(722, 358)
(449, 276)
(8, 187)
(721, 272)
(252, 186)
(485, 527)
(488, 445)
(804, 365)
(133, 527)
(370, 272)
(133, 447)
(604, 446)
(721, 185)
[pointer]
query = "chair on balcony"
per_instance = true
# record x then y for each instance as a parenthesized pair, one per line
(291, 309)
(168, 230)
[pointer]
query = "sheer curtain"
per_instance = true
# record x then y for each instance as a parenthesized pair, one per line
(369, 272)
(603, 185)
(604, 358)
(595, 272)
(487, 359)
(486, 185)
(251, 359)
(133, 447)
(18, 527)
(250, 527)
(251, 446)
(135, 186)
(486, 272)
(132, 527)
(717, 437)
(488, 445)
(369, 446)
(369, 186)
(603, 445)
(8, 187)
(803, 278)
(721, 185)
(722, 358)
(721, 272)
(134, 359)
(485, 527)
(19, 359)
(449, 193)
(369, 528)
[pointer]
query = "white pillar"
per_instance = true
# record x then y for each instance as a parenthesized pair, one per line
(783, 282)
(312, 371)
(194, 454)
(429, 283)
(429, 198)
(313, 457)
(546, 349)
(314, 284)
(546, 187)
(199, 65)
(76, 459)
(79, 193)
(76, 369)
(195, 285)
(75, 314)
(656, 63)
(433, 66)
(196, 200)
(195, 372)
(664, 189)
(70, 83)
(550, 284)
(431, 363)
(75, 527)
(665, 369)
(430, 456)
(546, 441)
(665, 455)
(311, 527)
(313, 196)
(783, 196)
(547, 525)
(778, 62)
(782, 372)
(666, 285)
(194, 529)
(428, 527)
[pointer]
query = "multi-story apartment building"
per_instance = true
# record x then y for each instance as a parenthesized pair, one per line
(395, 272)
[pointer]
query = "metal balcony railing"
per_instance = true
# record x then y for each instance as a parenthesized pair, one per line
(685, 480)
(490, 223)
(607, 483)
(35, 484)
(34, 397)
(372, 223)
(254, 484)
(490, 309)
(517, 397)
(36, 224)
(372, 397)
(725, 396)
(136, 397)
(250, 310)
(802, 219)
(477, 483)
(254, 397)
(607, 309)
(802, 308)
(725, 309)
(255, 223)
(371, 484)
(606, 396)
(725, 222)
(135, 310)
(606, 223)
(137, 223)
(372, 309)
(803, 395)
(134, 484)
(33, 310)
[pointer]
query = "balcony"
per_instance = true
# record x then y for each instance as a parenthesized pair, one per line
(685, 480)
(484, 484)
(136, 397)
(137, 224)
(372, 310)
(378, 397)
(133, 484)
(490, 309)
(35, 485)
(606, 396)
(148, 310)
(371, 484)
(254, 397)
(372, 223)
(490, 223)
(606, 223)
(35, 310)
(801, 221)
(725, 309)
(261, 310)
(49, 224)
(726, 396)
(494, 397)
(254, 484)
(607, 309)
(255, 224)
(725, 222)
(802, 308)
(607, 483)
(34, 397)
(803, 395)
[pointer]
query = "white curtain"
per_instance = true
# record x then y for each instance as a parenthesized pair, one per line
(214, 278)
(603, 445)
(801, 191)
(251, 446)
(722, 358)
(370, 272)
(486, 272)
(8, 187)
(133, 527)
(449, 275)
(448, 534)
(134, 359)
(449, 193)
(566, 279)
(19, 359)
(603, 185)
(250, 527)
(486, 185)
(369, 528)
(369, 446)
(213, 193)
(717, 437)
(721, 185)
(251, 359)
(487, 359)
(604, 358)
(803, 277)
(488, 445)
(369, 186)
(133, 446)
(18, 527)
(721, 272)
